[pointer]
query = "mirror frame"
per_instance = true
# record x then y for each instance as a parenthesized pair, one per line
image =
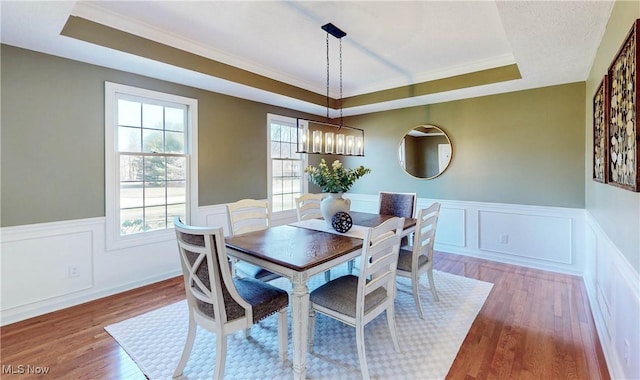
(426, 126)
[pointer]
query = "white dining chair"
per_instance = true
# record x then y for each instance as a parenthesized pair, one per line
(419, 260)
(357, 300)
(244, 216)
(218, 302)
(308, 206)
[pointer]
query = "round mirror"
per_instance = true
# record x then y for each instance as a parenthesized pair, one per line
(425, 151)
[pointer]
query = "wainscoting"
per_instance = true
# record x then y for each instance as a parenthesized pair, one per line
(549, 238)
(614, 294)
(50, 266)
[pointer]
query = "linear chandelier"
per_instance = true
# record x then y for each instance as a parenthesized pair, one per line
(317, 137)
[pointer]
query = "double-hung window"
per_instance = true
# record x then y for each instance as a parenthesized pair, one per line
(150, 143)
(286, 167)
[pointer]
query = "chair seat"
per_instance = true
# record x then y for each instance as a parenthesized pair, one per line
(340, 295)
(254, 271)
(265, 300)
(404, 260)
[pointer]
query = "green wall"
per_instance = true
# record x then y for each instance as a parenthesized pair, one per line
(616, 210)
(52, 156)
(523, 147)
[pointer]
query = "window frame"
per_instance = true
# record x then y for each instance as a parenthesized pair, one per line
(304, 185)
(114, 240)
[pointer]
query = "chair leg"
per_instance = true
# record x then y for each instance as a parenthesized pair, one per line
(361, 353)
(234, 271)
(391, 321)
(433, 285)
(221, 355)
(188, 345)
(415, 284)
(312, 330)
(327, 276)
(283, 340)
(350, 266)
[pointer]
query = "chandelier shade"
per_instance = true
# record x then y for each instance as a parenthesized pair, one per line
(316, 137)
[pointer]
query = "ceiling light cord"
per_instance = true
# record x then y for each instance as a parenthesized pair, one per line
(327, 76)
(341, 122)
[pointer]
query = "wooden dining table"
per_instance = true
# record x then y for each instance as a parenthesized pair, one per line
(299, 253)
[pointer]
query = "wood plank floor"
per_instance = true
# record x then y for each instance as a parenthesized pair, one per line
(534, 325)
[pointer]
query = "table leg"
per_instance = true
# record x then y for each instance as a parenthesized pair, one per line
(300, 324)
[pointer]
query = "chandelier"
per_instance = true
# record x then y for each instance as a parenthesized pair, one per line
(318, 137)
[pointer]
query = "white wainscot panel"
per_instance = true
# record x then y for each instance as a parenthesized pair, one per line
(534, 236)
(451, 228)
(41, 268)
(215, 217)
(626, 315)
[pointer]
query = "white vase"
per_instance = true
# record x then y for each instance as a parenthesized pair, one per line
(332, 204)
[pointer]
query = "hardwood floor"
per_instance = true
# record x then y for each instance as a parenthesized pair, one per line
(534, 325)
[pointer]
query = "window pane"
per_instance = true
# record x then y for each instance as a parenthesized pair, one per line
(285, 150)
(131, 195)
(154, 194)
(276, 168)
(285, 134)
(174, 142)
(132, 221)
(288, 202)
(154, 169)
(276, 201)
(152, 141)
(152, 116)
(129, 113)
(276, 149)
(296, 186)
(155, 217)
(176, 192)
(130, 168)
(129, 139)
(174, 119)
(287, 185)
(275, 132)
(176, 168)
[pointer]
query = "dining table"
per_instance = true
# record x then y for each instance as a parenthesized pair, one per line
(299, 251)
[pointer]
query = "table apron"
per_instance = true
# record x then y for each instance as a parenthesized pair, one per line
(291, 273)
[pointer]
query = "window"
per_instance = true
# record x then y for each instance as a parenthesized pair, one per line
(149, 160)
(286, 167)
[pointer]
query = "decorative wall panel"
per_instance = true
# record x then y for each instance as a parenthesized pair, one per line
(623, 113)
(600, 131)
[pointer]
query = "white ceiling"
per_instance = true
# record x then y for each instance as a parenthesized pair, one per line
(388, 44)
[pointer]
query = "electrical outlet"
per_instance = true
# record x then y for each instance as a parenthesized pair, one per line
(626, 354)
(73, 271)
(504, 239)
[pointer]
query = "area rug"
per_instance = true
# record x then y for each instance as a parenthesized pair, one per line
(154, 340)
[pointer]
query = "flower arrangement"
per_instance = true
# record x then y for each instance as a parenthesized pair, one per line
(334, 180)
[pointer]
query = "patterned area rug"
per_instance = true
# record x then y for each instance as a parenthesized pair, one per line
(155, 340)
